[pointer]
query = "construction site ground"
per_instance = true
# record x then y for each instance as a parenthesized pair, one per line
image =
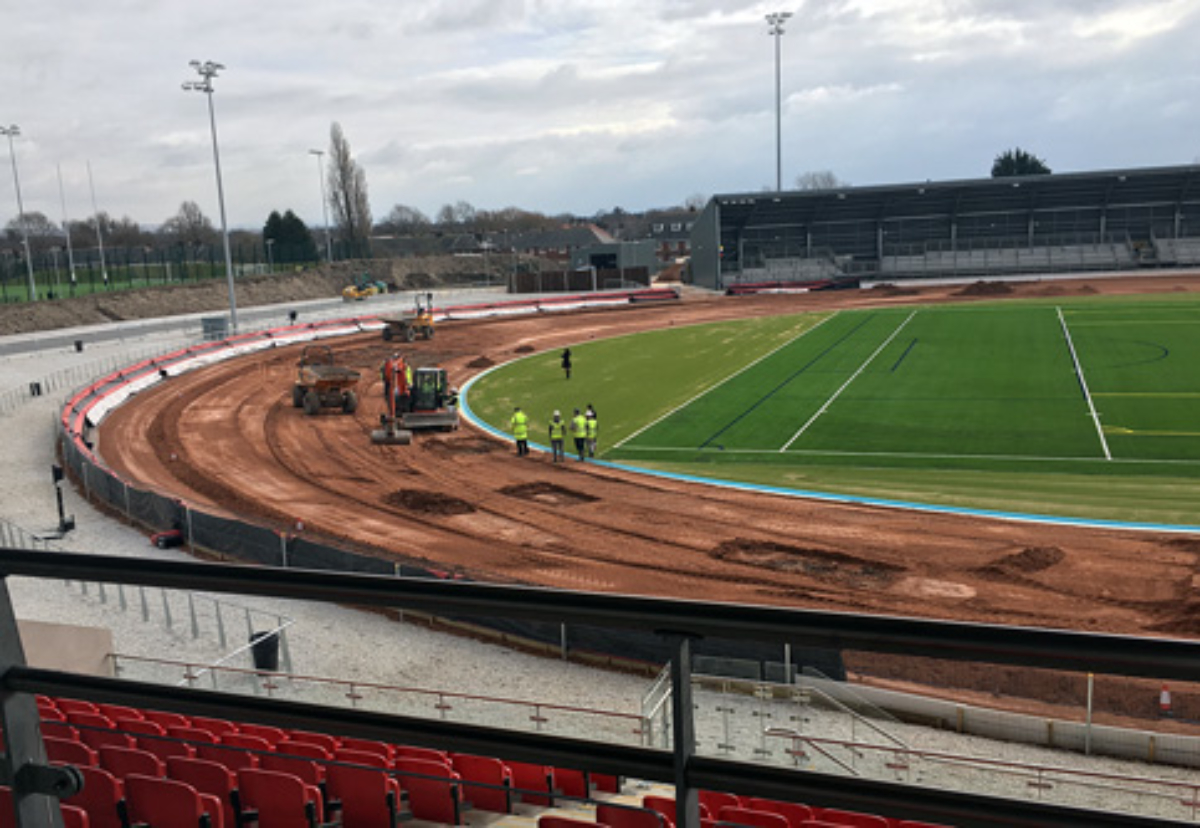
(227, 438)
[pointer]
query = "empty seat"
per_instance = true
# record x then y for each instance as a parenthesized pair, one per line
(433, 790)
(217, 727)
(852, 819)
(367, 746)
(210, 778)
(321, 740)
(69, 752)
(279, 800)
(151, 737)
(75, 706)
(271, 735)
(235, 751)
(572, 783)
(119, 711)
(752, 818)
(428, 754)
(368, 797)
(121, 761)
(492, 790)
(166, 718)
(551, 821)
(169, 803)
(194, 735)
(605, 782)
(102, 796)
(794, 812)
(534, 784)
(665, 805)
(714, 801)
(288, 758)
(96, 730)
(629, 817)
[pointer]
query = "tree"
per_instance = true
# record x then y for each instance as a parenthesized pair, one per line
(819, 180)
(189, 226)
(458, 216)
(42, 232)
(291, 238)
(1017, 161)
(405, 221)
(347, 190)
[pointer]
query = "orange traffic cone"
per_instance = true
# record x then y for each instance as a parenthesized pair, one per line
(1164, 702)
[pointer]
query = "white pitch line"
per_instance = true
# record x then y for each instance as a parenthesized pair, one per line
(1083, 384)
(846, 384)
(684, 405)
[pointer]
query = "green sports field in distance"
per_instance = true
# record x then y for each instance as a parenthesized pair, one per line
(1084, 408)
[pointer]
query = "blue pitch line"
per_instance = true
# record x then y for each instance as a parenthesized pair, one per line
(465, 410)
(779, 387)
(911, 345)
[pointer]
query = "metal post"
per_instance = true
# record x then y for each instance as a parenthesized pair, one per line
(776, 20)
(687, 798)
(12, 132)
(99, 232)
(1087, 737)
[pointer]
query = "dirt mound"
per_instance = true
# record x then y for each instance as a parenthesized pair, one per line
(1027, 561)
(982, 288)
(888, 289)
(434, 503)
(480, 362)
(548, 493)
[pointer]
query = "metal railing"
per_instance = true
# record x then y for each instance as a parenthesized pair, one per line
(679, 622)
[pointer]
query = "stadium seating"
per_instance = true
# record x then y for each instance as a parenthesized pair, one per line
(428, 754)
(665, 805)
(322, 740)
(367, 796)
(271, 735)
(121, 761)
(624, 817)
(550, 821)
(210, 778)
(529, 781)
(752, 818)
(852, 819)
(103, 797)
(70, 752)
(299, 759)
(434, 793)
(367, 746)
(279, 800)
(493, 788)
(714, 801)
(794, 812)
(168, 803)
(96, 730)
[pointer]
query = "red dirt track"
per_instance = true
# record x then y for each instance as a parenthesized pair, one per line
(226, 438)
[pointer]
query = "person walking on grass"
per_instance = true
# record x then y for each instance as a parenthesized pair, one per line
(592, 429)
(558, 430)
(520, 431)
(579, 432)
(566, 362)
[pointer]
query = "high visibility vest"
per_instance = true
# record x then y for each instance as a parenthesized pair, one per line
(557, 429)
(592, 428)
(579, 426)
(520, 425)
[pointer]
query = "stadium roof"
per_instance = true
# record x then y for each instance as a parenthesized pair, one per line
(1154, 185)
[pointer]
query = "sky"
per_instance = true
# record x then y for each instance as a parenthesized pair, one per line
(575, 107)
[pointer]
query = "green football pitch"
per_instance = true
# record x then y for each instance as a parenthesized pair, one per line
(1085, 409)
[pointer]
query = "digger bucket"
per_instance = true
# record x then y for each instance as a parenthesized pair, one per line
(391, 436)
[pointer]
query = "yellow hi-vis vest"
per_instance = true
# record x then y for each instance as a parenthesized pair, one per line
(557, 429)
(592, 428)
(520, 425)
(578, 426)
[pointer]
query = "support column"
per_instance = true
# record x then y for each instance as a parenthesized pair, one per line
(687, 799)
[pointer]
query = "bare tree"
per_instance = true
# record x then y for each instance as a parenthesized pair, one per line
(819, 180)
(404, 221)
(347, 190)
(42, 232)
(189, 226)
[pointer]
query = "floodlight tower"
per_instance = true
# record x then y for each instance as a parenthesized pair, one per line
(775, 21)
(207, 71)
(12, 132)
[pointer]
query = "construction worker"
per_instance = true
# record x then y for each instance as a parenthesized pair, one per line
(520, 431)
(593, 429)
(579, 432)
(558, 430)
(566, 362)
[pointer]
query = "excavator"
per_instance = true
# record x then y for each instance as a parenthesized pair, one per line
(416, 400)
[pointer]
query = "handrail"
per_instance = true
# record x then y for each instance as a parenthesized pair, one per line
(1162, 658)
(676, 619)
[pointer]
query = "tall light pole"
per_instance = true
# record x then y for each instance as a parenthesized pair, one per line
(12, 132)
(324, 203)
(99, 231)
(62, 197)
(207, 71)
(775, 21)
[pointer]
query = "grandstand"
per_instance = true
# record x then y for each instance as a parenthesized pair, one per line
(1119, 220)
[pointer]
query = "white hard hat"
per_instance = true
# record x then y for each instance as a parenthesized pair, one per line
(556, 414)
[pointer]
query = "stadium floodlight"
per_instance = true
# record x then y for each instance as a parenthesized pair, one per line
(207, 71)
(775, 21)
(324, 208)
(12, 132)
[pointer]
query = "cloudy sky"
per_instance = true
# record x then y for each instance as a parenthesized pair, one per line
(577, 106)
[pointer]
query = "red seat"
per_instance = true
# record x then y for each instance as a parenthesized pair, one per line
(368, 797)
(236, 751)
(571, 782)
(151, 737)
(166, 718)
(96, 730)
(322, 740)
(565, 822)
(493, 791)
(794, 812)
(217, 727)
(665, 805)
(530, 782)
(271, 735)
(121, 762)
(433, 790)
(629, 817)
(852, 819)
(51, 714)
(102, 796)
(289, 757)
(909, 823)
(714, 801)
(367, 746)
(428, 754)
(73, 817)
(70, 752)
(606, 782)
(118, 711)
(752, 818)
(279, 800)
(75, 706)
(168, 803)
(211, 778)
